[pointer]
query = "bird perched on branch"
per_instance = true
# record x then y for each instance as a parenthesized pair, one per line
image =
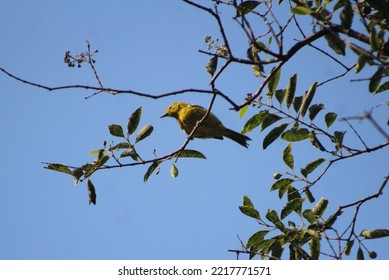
(188, 115)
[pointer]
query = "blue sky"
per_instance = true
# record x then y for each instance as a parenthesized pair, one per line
(149, 46)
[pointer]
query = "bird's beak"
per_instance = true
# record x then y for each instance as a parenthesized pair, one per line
(165, 115)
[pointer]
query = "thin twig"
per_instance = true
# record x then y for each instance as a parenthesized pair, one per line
(332, 57)
(357, 153)
(90, 62)
(356, 133)
(359, 203)
(336, 77)
(377, 126)
(119, 91)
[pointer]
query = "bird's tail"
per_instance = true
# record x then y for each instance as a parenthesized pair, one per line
(237, 137)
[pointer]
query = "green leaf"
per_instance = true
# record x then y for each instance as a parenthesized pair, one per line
(330, 118)
(374, 40)
(281, 183)
(280, 95)
(301, 10)
(295, 134)
(320, 207)
(361, 52)
(309, 195)
(116, 130)
(312, 231)
(374, 234)
(133, 121)
(314, 110)
(276, 249)
(309, 216)
(290, 90)
(339, 135)
(274, 134)
(300, 253)
(314, 248)
(256, 238)
(291, 206)
(254, 121)
(336, 43)
(191, 154)
(262, 246)
(91, 193)
(130, 153)
(297, 100)
(89, 169)
(150, 170)
(95, 152)
(246, 7)
(376, 79)
(272, 216)
(250, 211)
(383, 87)
(292, 194)
(211, 65)
(247, 201)
(60, 168)
(346, 16)
(339, 5)
(122, 145)
(293, 255)
(100, 154)
(332, 219)
(243, 111)
(348, 247)
(287, 156)
(144, 132)
(310, 167)
(360, 63)
(77, 173)
(282, 190)
(308, 97)
(315, 142)
(360, 255)
(274, 80)
(101, 160)
(174, 171)
(269, 120)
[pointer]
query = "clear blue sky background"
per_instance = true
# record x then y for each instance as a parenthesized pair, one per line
(150, 46)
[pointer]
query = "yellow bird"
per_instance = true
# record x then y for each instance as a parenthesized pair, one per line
(187, 116)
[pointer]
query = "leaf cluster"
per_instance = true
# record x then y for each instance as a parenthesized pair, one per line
(123, 153)
(374, 16)
(291, 126)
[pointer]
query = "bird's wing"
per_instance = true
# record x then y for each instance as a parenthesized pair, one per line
(194, 113)
(211, 127)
